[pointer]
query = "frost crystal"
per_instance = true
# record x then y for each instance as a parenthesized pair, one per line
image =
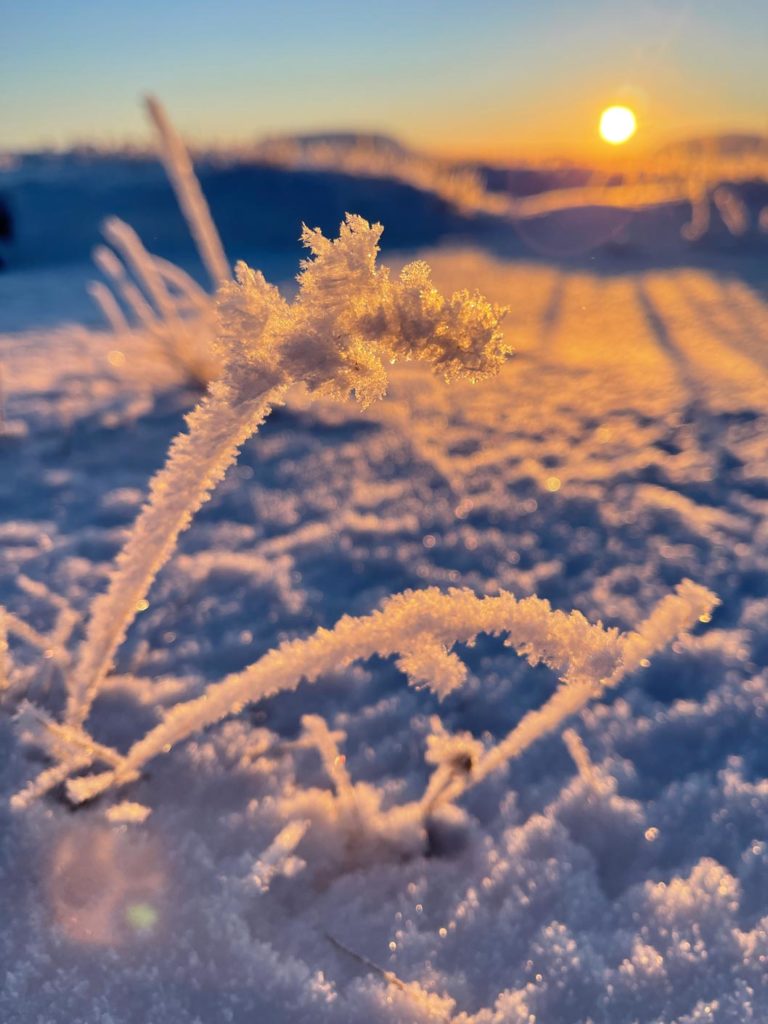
(351, 320)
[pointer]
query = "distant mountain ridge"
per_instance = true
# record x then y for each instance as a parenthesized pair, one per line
(730, 144)
(342, 140)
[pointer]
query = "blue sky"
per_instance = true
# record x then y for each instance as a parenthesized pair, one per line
(481, 77)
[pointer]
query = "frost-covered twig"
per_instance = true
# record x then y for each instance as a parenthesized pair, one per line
(23, 631)
(279, 857)
(70, 747)
(674, 615)
(186, 340)
(127, 242)
(196, 463)
(453, 757)
(112, 267)
(66, 616)
(53, 645)
(587, 657)
(178, 167)
(107, 303)
(349, 321)
(317, 734)
(580, 755)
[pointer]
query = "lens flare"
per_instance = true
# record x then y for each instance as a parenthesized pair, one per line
(617, 125)
(107, 886)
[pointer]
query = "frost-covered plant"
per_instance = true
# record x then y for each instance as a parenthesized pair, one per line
(167, 303)
(279, 858)
(348, 323)
(160, 300)
(588, 658)
(52, 646)
(673, 616)
(178, 167)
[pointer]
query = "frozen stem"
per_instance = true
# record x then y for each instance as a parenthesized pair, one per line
(588, 658)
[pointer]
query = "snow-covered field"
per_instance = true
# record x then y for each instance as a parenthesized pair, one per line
(623, 448)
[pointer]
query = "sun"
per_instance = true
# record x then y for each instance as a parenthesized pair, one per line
(617, 125)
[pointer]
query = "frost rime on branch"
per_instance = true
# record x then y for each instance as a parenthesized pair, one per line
(587, 657)
(349, 321)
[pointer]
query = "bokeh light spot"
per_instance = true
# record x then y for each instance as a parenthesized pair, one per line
(142, 917)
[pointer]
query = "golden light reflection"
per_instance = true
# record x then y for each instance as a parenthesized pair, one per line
(617, 125)
(106, 886)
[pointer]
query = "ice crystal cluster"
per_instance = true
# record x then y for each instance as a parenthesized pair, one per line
(350, 321)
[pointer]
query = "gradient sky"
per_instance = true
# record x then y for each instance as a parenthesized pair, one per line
(482, 78)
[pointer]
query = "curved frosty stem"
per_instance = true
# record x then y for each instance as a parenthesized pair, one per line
(673, 616)
(197, 462)
(589, 658)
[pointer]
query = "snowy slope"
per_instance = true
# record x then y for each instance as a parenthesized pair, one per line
(622, 449)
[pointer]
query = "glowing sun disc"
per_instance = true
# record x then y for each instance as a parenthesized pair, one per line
(617, 124)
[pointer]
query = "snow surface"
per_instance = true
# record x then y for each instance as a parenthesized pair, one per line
(622, 449)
